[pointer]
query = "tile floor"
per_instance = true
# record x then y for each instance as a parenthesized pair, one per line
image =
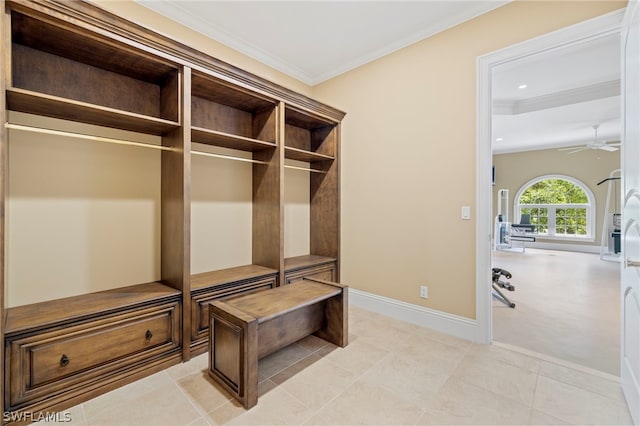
(392, 373)
(567, 306)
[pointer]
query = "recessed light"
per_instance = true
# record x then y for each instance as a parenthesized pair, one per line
(522, 86)
(499, 139)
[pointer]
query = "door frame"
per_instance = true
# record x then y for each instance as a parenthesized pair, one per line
(592, 29)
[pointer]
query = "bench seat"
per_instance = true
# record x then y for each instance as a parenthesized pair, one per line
(246, 328)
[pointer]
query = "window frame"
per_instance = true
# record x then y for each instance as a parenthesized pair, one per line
(551, 209)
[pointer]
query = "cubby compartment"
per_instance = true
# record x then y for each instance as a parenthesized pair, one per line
(308, 137)
(61, 73)
(311, 196)
(228, 116)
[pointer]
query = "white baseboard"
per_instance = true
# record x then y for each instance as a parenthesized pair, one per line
(443, 322)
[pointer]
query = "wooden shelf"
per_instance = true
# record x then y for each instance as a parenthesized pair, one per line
(227, 140)
(305, 120)
(53, 106)
(90, 49)
(303, 155)
(21, 319)
(221, 92)
(305, 261)
(229, 275)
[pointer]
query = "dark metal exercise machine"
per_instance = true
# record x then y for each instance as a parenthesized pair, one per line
(497, 284)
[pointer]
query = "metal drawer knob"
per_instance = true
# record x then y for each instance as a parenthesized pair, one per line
(148, 335)
(64, 360)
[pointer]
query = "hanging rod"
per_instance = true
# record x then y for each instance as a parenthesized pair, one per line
(305, 169)
(83, 136)
(228, 157)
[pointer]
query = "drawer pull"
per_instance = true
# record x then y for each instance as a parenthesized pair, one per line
(64, 360)
(148, 335)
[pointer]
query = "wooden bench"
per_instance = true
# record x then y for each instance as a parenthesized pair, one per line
(246, 328)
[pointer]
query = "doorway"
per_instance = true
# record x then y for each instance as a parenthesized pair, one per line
(590, 31)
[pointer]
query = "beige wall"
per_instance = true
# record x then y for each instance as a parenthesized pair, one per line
(409, 155)
(81, 216)
(589, 167)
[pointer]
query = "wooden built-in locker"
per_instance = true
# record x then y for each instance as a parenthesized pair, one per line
(74, 62)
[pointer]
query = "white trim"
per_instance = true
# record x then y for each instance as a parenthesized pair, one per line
(587, 31)
(443, 322)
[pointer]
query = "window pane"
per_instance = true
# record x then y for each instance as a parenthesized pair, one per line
(572, 212)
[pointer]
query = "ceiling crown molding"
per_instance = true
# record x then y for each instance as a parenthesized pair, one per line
(592, 92)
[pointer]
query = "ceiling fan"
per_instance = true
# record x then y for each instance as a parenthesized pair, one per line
(603, 145)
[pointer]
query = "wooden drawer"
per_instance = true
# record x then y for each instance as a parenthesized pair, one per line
(200, 303)
(61, 359)
(325, 272)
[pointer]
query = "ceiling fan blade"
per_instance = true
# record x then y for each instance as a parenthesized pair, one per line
(568, 148)
(577, 150)
(608, 148)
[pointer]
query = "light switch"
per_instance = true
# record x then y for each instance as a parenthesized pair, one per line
(466, 212)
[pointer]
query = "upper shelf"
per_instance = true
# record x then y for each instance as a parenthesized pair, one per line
(67, 41)
(231, 116)
(303, 155)
(57, 107)
(61, 72)
(227, 140)
(309, 137)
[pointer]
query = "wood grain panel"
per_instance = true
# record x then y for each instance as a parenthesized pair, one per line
(5, 78)
(297, 137)
(290, 327)
(268, 204)
(69, 41)
(325, 211)
(265, 124)
(54, 75)
(176, 208)
(215, 116)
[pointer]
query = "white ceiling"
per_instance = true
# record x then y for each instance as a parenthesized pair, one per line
(568, 91)
(313, 41)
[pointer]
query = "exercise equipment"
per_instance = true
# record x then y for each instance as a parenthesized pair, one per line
(507, 233)
(497, 284)
(610, 236)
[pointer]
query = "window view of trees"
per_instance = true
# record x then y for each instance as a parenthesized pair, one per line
(556, 207)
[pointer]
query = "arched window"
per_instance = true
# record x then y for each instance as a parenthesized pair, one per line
(558, 206)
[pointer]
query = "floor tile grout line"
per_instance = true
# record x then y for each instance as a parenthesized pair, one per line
(355, 379)
(557, 361)
(200, 411)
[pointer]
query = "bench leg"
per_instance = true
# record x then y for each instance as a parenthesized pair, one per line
(336, 329)
(233, 353)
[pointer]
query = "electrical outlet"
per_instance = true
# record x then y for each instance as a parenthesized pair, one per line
(424, 291)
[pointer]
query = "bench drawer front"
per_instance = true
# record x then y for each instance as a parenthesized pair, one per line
(200, 304)
(322, 272)
(57, 360)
